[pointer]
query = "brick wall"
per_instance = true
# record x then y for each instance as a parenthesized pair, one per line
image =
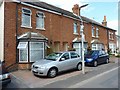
(10, 34)
(58, 28)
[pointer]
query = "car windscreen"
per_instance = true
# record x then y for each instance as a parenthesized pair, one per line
(91, 53)
(53, 56)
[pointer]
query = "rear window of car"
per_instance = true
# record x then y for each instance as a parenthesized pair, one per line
(74, 55)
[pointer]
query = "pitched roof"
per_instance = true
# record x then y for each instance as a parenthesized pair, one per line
(64, 12)
(32, 35)
(53, 8)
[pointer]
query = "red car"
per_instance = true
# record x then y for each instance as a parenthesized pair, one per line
(4, 75)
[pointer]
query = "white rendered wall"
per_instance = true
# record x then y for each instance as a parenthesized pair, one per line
(2, 31)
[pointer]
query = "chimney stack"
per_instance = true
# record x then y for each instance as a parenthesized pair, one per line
(104, 23)
(76, 9)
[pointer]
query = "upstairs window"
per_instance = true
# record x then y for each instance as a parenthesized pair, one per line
(111, 36)
(40, 20)
(26, 17)
(93, 31)
(75, 28)
(97, 32)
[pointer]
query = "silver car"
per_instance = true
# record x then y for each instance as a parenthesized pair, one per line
(57, 62)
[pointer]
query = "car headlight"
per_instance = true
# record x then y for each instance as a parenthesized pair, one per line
(4, 76)
(42, 67)
(89, 59)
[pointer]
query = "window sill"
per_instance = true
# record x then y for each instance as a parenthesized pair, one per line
(97, 36)
(26, 26)
(75, 33)
(21, 62)
(43, 29)
(93, 36)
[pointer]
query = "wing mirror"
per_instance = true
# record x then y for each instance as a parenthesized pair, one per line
(62, 59)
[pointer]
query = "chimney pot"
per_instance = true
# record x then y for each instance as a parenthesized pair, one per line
(76, 9)
(104, 23)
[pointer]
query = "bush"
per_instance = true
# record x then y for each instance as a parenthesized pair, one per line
(118, 55)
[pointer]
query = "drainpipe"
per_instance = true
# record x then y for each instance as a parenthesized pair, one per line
(107, 40)
(17, 59)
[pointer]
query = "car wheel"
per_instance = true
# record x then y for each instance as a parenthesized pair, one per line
(107, 61)
(95, 63)
(52, 73)
(79, 66)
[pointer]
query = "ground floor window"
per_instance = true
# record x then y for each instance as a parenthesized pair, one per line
(78, 48)
(33, 50)
(36, 51)
(112, 46)
(23, 51)
(97, 47)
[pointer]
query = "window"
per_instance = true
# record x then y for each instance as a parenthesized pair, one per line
(97, 32)
(112, 46)
(97, 47)
(94, 46)
(26, 17)
(111, 36)
(23, 51)
(93, 32)
(40, 20)
(36, 51)
(22, 45)
(66, 56)
(75, 28)
(74, 55)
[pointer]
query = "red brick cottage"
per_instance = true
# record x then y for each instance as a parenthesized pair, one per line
(31, 30)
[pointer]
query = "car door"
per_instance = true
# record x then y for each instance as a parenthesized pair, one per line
(64, 62)
(104, 58)
(75, 59)
(100, 57)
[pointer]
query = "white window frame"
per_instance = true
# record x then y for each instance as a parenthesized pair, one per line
(93, 31)
(111, 36)
(40, 49)
(97, 32)
(25, 46)
(23, 49)
(22, 18)
(43, 20)
(94, 46)
(75, 29)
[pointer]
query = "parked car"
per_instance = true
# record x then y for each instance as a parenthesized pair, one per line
(4, 75)
(95, 57)
(56, 62)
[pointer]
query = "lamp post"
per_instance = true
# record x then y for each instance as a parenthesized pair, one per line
(82, 40)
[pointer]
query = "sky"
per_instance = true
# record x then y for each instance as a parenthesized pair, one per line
(95, 10)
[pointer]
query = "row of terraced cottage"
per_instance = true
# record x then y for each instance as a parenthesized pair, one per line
(31, 30)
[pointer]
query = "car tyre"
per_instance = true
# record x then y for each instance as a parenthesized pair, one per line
(52, 73)
(107, 61)
(79, 66)
(95, 63)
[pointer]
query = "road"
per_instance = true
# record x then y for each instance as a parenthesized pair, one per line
(108, 79)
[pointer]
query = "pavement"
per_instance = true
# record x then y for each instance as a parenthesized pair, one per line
(27, 78)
